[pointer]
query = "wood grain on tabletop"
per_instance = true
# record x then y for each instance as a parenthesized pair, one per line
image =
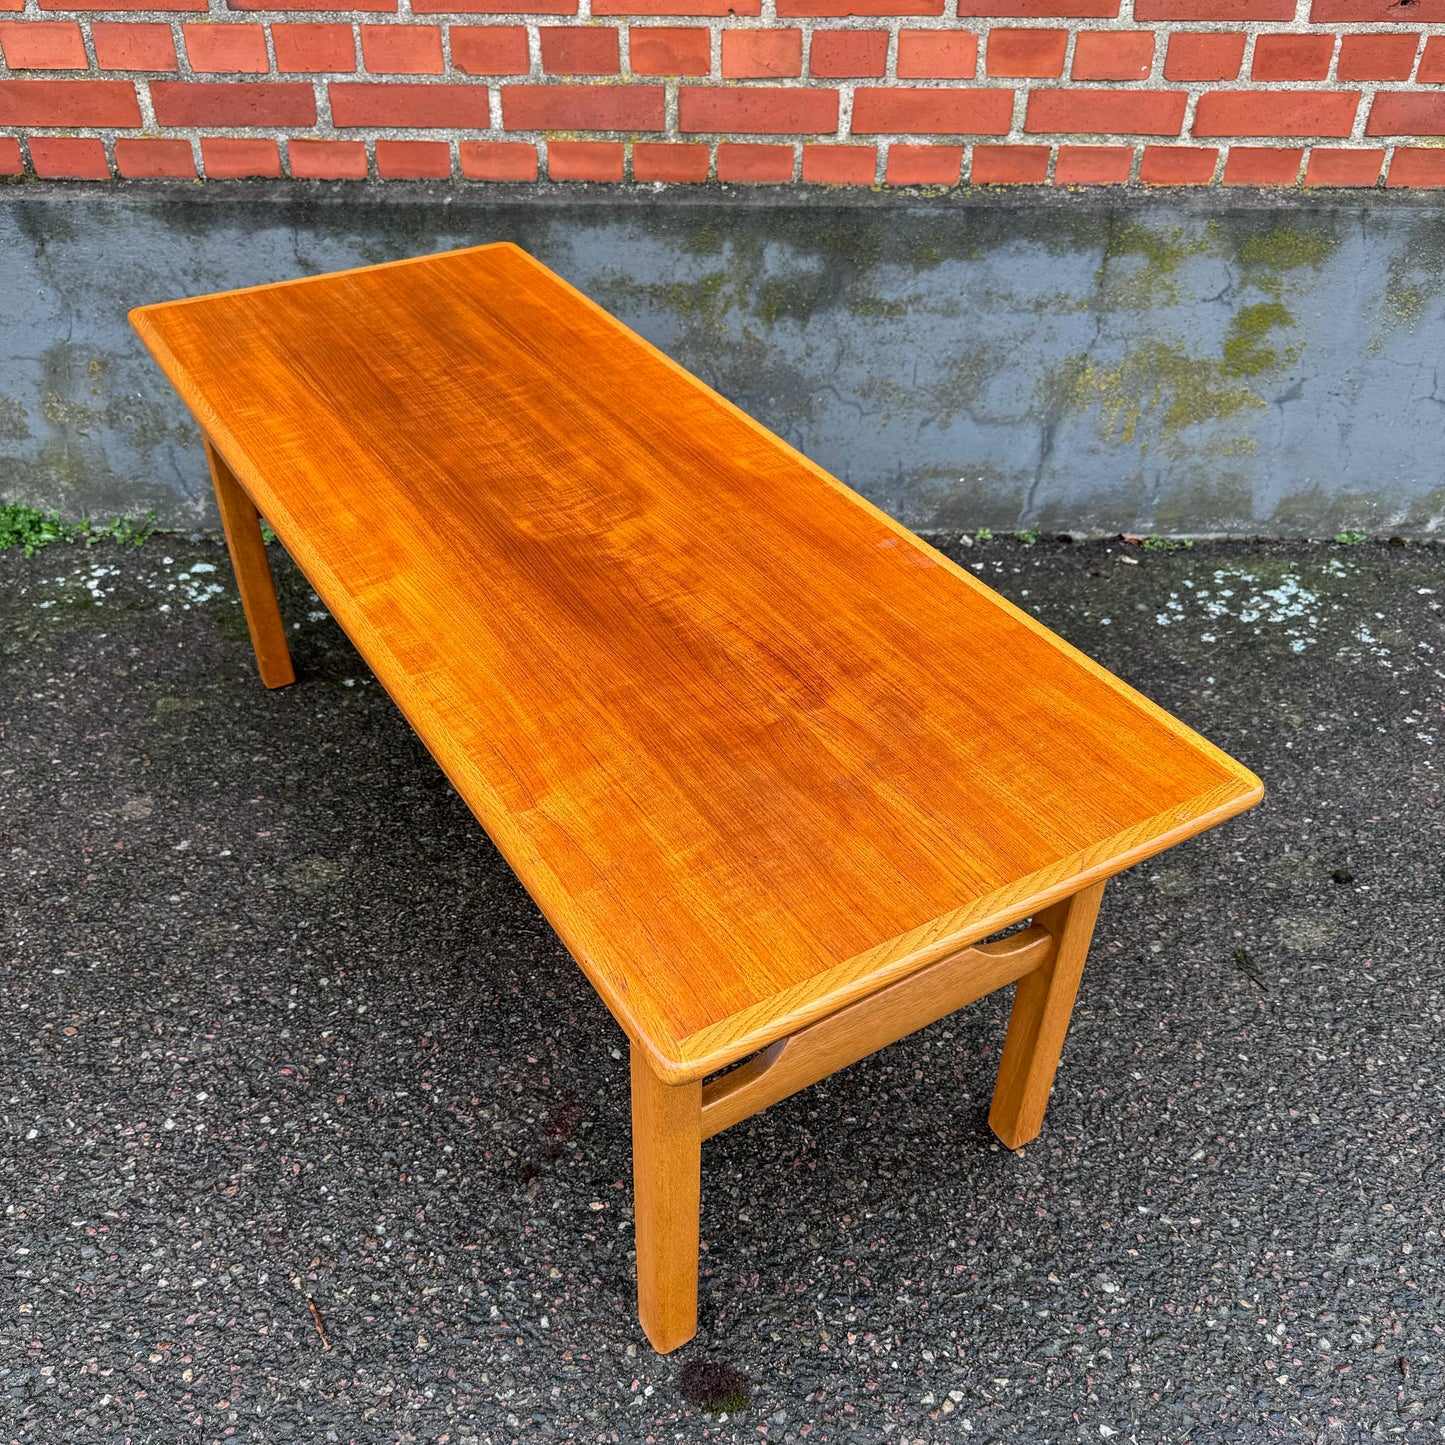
(753, 748)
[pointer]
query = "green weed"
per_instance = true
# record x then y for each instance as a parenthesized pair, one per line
(31, 529)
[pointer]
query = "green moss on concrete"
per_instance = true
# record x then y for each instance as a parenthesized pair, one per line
(1160, 253)
(1286, 248)
(1158, 379)
(1245, 350)
(876, 307)
(1416, 278)
(14, 420)
(1269, 257)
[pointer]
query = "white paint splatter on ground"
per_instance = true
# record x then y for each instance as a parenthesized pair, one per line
(182, 587)
(1234, 594)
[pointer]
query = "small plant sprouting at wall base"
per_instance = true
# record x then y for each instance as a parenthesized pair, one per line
(714, 1386)
(1028, 538)
(30, 529)
(1350, 539)
(984, 534)
(1167, 544)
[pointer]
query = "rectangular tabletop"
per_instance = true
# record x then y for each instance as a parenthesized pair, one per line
(754, 748)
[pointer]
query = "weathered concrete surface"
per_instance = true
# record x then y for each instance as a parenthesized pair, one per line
(276, 1020)
(1084, 362)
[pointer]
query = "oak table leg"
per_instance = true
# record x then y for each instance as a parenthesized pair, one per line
(257, 587)
(667, 1194)
(1043, 1001)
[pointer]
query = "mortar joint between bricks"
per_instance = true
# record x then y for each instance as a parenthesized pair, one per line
(845, 114)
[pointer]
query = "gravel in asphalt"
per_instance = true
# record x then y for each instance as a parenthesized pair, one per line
(271, 1037)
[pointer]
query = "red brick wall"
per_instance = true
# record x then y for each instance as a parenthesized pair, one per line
(817, 92)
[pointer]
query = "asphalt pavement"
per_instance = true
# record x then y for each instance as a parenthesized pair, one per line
(311, 1130)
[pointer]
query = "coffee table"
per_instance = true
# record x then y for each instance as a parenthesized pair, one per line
(770, 765)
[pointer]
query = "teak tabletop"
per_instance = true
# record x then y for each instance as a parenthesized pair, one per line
(756, 751)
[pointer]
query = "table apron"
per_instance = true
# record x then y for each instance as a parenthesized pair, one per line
(871, 1024)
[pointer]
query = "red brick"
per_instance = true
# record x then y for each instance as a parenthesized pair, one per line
(840, 165)
(1276, 112)
(1432, 61)
(754, 162)
(1292, 57)
(227, 158)
(312, 48)
(910, 165)
(491, 7)
(413, 160)
(1410, 167)
(234, 49)
(5, 7)
(1388, 12)
(835, 54)
(12, 163)
(759, 54)
(900, 111)
(585, 160)
(68, 158)
(1376, 57)
(371, 7)
(677, 7)
(664, 161)
(1023, 54)
(1010, 165)
(1106, 112)
(1093, 165)
(668, 50)
(757, 110)
(838, 9)
(490, 49)
(1178, 165)
(498, 160)
(1400, 112)
(1113, 55)
(121, 5)
(123, 46)
(148, 159)
(237, 102)
(582, 107)
(1203, 57)
(1262, 165)
(402, 49)
(1040, 9)
(43, 45)
(327, 160)
(1329, 166)
(409, 103)
(68, 103)
(1229, 10)
(937, 54)
(579, 50)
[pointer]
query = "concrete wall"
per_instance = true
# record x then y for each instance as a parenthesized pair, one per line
(1086, 361)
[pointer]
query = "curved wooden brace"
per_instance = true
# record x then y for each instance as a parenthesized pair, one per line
(870, 1024)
